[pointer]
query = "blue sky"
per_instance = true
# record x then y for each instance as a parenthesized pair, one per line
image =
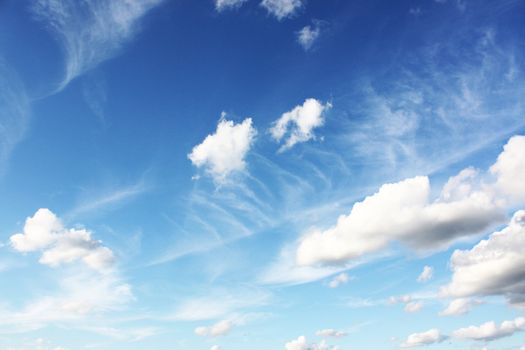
(262, 174)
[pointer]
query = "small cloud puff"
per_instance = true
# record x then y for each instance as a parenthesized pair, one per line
(221, 5)
(298, 124)
(224, 152)
(338, 280)
(282, 9)
(218, 329)
(426, 274)
(308, 35)
(333, 333)
(431, 336)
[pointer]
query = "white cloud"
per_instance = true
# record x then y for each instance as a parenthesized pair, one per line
(45, 232)
(216, 347)
(224, 151)
(220, 328)
(426, 274)
(338, 280)
(510, 169)
(90, 32)
(460, 306)
(490, 331)
(495, 266)
(221, 5)
(403, 299)
(401, 212)
(333, 333)
(80, 295)
(425, 338)
(282, 8)
(413, 307)
(308, 35)
(302, 344)
(298, 124)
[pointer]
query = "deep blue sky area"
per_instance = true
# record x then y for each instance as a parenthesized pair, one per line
(262, 174)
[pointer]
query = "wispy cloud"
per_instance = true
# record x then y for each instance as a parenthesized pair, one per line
(90, 32)
(14, 113)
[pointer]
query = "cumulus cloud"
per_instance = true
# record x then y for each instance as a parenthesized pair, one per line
(338, 280)
(332, 333)
(413, 307)
(308, 35)
(490, 331)
(282, 8)
(45, 232)
(432, 336)
(221, 5)
(224, 151)
(426, 274)
(216, 347)
(298, 124)
(90, 32)
(460, 306)
(494, 266)
(404, 212)
(401, 212)
(509, 169)
(302, 344)
(215, 330)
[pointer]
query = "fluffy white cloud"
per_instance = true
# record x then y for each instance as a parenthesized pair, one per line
(224, 151)
(426, 274)
(308, 35)
(218, 329)
(302, 344)
(495, 266)
(282, 8)
(400, 212)
(333, 333)
(510, 169)
(216, 347)
(490, 331)
(45, 232)
(413, 307)
(404, 212)
(298, 124)
(425, 338)
(459, 306)
(338, 280)
(225, 4)
(403, 299)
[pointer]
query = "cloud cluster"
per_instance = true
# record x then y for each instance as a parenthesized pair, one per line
(215, 330)
(431, 336)
(298, 124)
(45, 232)
(302, 344)
(282, 9)
(224, 151)
(90, 32)
(404, 212)
(490, 330)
